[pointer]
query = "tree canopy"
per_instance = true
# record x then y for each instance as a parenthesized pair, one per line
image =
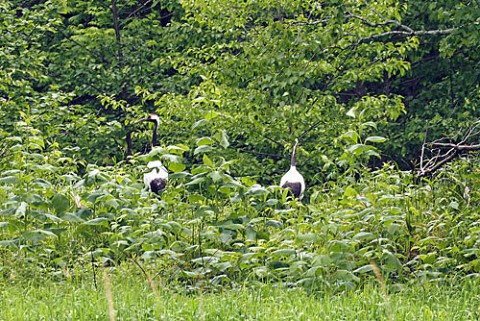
(340, 75)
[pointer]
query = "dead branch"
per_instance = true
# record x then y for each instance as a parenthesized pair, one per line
(404, 30)
(407, 33)
(437, 153)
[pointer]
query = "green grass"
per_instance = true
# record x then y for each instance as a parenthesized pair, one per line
(133, 299)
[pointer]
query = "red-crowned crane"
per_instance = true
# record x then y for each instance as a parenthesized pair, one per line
(293, 179)
(157, 178)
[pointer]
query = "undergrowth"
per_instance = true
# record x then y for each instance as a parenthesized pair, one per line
(225, 230)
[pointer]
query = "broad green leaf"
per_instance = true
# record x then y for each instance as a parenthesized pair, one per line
(274, 223)
(211, 115)
(12, 180)
(10, 242)
(21, 210)
(36, 236)
(202, 149)
(207, 161)
(351, 113)
(322, 260)
(364, 236)
(350, 192)
(391, 261)
(346, 276)
(97, 221)
(222, 138)
(200, 123)
(39, 182)
(113, 203)
(222, 266)
(359, 149)
(375, 139)
(177, 175)
(364, 269)
(172, 158)
(308, 237)
(199, 99)
(233, 227)
(53, 217)
(71, 217)
(178, 149)
(351, 136)
(216, 176)
(226, 237)
(204, 141)
(177, 168)
(284, 252)
(11, 172)
(60, 203)
(196, 181)
(205, 260)
(36, 200)
(454, 205)
(251, 233)
(36, 142)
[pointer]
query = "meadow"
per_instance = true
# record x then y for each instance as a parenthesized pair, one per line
(131, 297)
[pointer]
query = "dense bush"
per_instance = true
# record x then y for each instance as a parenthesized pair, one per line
(210, 225)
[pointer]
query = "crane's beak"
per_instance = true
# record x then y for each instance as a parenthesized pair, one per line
(141, 120)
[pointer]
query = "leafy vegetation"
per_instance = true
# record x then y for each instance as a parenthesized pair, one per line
(362, 85)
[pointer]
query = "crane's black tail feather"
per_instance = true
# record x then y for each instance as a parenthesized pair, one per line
(295, 188)
(157, 185)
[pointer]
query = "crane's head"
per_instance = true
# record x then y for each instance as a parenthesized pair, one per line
(153, 118)
(150, 118)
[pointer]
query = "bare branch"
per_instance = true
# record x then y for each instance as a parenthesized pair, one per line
(459, 147)
(308, 22)
(443, 150)
(423, 147)
(404, 29)
(312, 127)
(386, 22)
(279, 144)
(408, 33)
(141, 7)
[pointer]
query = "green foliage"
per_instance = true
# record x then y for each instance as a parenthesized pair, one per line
(234, 84)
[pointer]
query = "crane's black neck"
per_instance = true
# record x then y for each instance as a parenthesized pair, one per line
(154, 134)
(293, 160)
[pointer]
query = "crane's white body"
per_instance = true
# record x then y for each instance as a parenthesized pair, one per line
(158, 176)
(293, 176)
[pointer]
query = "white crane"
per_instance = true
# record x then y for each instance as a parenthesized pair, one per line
(293, 179)
(157, 178)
